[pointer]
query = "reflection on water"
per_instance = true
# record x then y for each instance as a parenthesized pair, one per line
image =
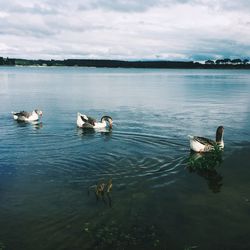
(206, 165)
(88, 132)
(103, 131)
(38, 125)
(34, 124)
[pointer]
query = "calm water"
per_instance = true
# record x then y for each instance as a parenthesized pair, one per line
(158, 201)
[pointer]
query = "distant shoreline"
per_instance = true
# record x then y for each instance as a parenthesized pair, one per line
(102, 63)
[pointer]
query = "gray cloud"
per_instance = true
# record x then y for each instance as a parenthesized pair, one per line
(243, 5)
(24, 31)
(128, 5)
(125, 29)
(36, 8)
(218, 48)
(119, 5)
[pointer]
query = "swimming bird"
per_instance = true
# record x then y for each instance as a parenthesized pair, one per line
(202, 144)
(25, 116)
(84, 121)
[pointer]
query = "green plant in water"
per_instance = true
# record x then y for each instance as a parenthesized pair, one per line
(114, 236)
(191, 248)
(205, 164)
(2, 246)
(209, 160)
(102, 191)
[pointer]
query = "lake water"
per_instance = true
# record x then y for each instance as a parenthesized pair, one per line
(160, 199)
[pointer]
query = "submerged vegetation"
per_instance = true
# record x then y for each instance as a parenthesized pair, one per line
(205, 165)
(2, 247)
(114, 236)
(102, 191)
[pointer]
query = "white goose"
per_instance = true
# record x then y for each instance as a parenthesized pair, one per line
(84, 121)
(201, 144)
(25, 116)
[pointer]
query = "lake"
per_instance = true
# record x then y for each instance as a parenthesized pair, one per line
(163, 197)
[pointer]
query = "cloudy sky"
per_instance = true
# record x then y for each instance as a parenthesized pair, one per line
(125, 29)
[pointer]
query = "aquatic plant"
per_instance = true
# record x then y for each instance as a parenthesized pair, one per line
(115, 236)
(102, 191)
(205, 165)
(2, 246)
(209, 160)
(191, 248)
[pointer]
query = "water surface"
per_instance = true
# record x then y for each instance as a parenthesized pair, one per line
(158, 200)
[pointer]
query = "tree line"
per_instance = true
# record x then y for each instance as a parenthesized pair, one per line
(7, 61)
(228, 61)
(209, 64)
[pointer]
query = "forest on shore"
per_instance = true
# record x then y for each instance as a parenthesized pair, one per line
(209, 64)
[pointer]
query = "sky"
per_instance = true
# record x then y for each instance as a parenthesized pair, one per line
(195, 30)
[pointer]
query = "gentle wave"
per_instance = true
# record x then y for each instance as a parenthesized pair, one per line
(73, 154)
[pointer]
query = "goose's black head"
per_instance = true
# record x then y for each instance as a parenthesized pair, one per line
(107, 119)
(219, 133)
(39, 112)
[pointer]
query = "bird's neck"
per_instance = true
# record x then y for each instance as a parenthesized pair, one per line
(220, 143)
(219, 138)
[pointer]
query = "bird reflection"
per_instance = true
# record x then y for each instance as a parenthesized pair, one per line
(86, 132)
(205, 165)
(37, 125)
